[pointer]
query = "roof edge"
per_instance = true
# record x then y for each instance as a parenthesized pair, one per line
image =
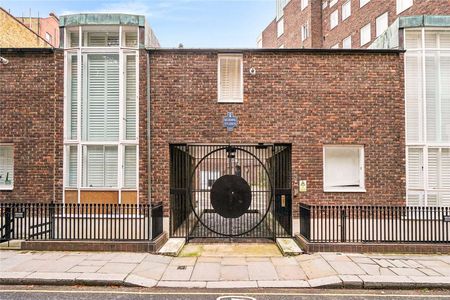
(424, 21)
(28, 50)
(301, 50)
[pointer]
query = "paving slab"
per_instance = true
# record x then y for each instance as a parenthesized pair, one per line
(386, 281)
(283, 284)
(262, 271)
(362, 260)
(335, 256)
(183, 261)
(54, 276)
(429, 272)
(329, 281)
(84, 269)
(117, 268)
(158, 259)
(140, 281)
(182, 284)
(346, 268)
(13, 275)
(351, 281)
(25, 266)
(206, 272)
(101, 278)
(234, 273)
(150, 270)
(172, 247)
(130, 259)
(87, 262)
(288, 246)
(431, 281)
(233, 261)
(290, 272)
(398, 263)
(384, 263)
(177, 274)
(231, 284)
(284, 261)
(317, 268)
(407, 271)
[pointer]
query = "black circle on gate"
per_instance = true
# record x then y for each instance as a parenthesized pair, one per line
(231, 196)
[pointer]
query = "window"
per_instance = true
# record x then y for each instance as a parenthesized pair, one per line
(280, 8)
(346, 10)
(281, 46)
(333, 2)
(305, 31)
(259, 42)
(403, 5)
(230, 82)
(336, 46)
(280, 27)
(347, 42)
(334, 19)
(343, 169)
(324, 4)
(48, 37)
(6, 167)
(382, 23)
(365, 35)
(101, 39)
(303, 4)
(363, 2)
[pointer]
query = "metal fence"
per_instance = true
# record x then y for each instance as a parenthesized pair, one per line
(374, 224)
(50, 221)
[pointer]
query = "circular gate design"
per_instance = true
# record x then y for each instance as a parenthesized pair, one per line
(230, 191)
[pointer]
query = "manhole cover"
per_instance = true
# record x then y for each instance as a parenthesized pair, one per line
(231, 196)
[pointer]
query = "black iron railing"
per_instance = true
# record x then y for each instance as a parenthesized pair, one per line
(49, 221)
(374, 224)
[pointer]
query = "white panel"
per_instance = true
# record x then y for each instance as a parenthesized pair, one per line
(130, 97)
(365, 34)
(111, 165)
(415, 168)
(444, 38)
(347, 43)
(382, 23)
(131, 39)
(433, 168)
(6, 166)
(73, 94)
(413, 97)
(363, 2)
(432, 199)
(346, 9)
(444, 199)
(445, 168)
(413, 39)
(280, 27)
(432, 92)
(102, 39)
(129, 179)
(94, 166)
(445, 95)
(72, 166)
(230, 80)
(334, 19)
(342, 167)
(431, 39)
(304, 4)
(414, 198)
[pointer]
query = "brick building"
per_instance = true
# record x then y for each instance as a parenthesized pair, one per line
(139, 122)
(47, 28)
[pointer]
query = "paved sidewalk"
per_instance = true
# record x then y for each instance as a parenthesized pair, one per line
(209, 270)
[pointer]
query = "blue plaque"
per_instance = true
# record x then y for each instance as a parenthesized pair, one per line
(230, 121)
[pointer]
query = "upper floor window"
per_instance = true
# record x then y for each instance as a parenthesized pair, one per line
(334, 19)
(347, 42)
(382, 23)
(230, 81)
(280, 7)
(92, 36)
(403, 5)
(280, 27)
(365, 35)
(333, 2)
(303, 4)
(346, 10)
(259, 42)
(336, 46)
(363, 2)
(6, 167)
(305, 31)
(343, 169)
(48, 37)
(324, 4)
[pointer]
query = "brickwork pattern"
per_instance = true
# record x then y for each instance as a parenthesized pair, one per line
(308, 99)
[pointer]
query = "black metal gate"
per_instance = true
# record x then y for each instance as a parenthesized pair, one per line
(231, 191)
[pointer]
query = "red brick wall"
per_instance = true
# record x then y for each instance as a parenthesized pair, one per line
(322, 36)
(305, 98)
(269, 36)
(143, 132)
(31, 118)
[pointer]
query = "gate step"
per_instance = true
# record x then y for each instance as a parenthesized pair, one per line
(11, 245)
(172, 247)
(288, 247)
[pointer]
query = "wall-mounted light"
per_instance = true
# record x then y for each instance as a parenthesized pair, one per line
(4, 61)
(252, 71)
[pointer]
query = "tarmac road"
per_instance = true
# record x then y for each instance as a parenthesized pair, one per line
(78, 292)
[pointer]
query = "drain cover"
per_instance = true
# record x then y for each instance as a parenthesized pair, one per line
(231, 196)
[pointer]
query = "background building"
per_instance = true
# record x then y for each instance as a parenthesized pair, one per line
(47, 28)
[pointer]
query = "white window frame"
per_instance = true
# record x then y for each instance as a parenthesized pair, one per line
(220, 99)
(361, 188)
(333, 2)
(280, 27)
(4, 187)
(363, 42)
(422, 51)
(305, 31)
(334, 19)
(346, 10)
(83, 51)
(303, 4)
(382, 23)
(335, 46)
(344, 41)
(402, 5)
(363, 2)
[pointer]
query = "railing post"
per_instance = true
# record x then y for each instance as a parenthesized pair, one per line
(305, 221)
(150, 221)
(8, 221)
(52, 220)
(343, 225)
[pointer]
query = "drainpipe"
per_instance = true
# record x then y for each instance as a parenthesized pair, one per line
(149, 147)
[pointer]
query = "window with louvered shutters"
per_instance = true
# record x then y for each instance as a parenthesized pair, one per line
(444, 69)
(129, 166)
(415, 168)
(439, 175)
(413, 96)
(101, 39)
(6, 167)
(73, 101)
(432, 94)
(130, 97)
(230, 78)
(100, 166)
(102, 109)
(72, 166)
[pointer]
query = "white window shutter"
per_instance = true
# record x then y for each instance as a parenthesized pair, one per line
(432, 90)
(230, 79)
(130, 95)
(445, 168)
(111, 166)
(432, 199)
(129, 179)
(445, 199)
(103, 98)
(445, 96)
(413, 97)
(94, 166)
(433, 168)
(415, 168)
(414, 198)
(342, 167)
(72, 166)
(73, 97)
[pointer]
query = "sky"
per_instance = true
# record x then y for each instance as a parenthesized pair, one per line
(194, 23)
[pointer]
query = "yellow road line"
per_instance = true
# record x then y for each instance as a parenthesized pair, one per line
(223, 293)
